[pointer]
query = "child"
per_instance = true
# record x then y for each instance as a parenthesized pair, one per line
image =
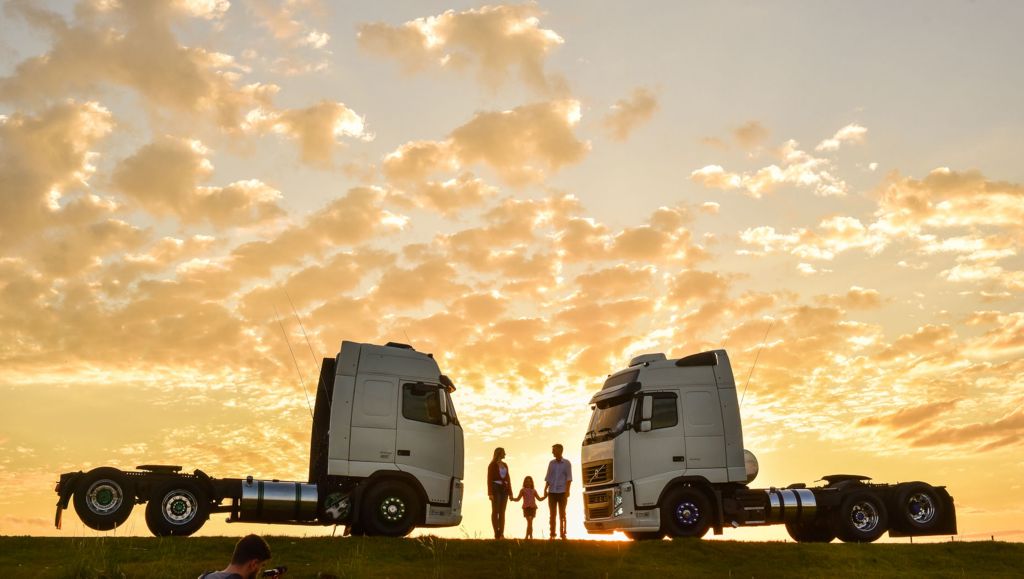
(530, 497)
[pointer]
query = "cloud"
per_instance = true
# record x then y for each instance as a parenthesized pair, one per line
(435, 280)
(284, 21)
(1007, 430)
(912, 416)
(750, 135)
(856, 298)
(130, 44)
(629, 113)
(350, 219)
(946, 198)
(851, 133)
(521, 145)
(1005, 338)
(493, 42)
(164, 178)
(451, 196)
(45, 160)
(317, 128)
(834, 236)
(798, 168)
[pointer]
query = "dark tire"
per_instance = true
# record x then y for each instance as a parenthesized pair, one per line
(177, 509)
(390, 509)
(686, 513)
(813, 531)
(103, 499)
(862, 518)
(918, 508)
(645, 535)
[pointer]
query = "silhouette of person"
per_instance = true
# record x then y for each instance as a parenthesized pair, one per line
(499, 489)
(556, 487)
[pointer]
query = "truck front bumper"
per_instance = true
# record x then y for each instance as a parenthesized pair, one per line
(612, 508)
(446, 515)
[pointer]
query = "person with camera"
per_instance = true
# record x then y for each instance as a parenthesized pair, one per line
(250, 555)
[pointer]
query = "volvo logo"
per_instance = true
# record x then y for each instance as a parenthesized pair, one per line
(598, 472)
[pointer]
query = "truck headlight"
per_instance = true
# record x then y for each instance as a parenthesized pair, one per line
(617, 509)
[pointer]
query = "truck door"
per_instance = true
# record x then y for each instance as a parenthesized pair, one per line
(656, 456)
(426, 439)
(373, 419)
(705, 440)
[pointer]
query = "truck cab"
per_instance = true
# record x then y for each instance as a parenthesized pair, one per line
(656, 423)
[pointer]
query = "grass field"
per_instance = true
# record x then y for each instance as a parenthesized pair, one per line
(431, 557)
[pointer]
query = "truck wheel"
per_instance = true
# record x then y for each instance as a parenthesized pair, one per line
(918, 507)
(390, 509)
(645, 535)
(686, 513)
(177, 509)
(102, 500)
(813, 531)
(861, 518)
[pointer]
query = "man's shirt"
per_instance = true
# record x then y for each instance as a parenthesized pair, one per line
(559, 474)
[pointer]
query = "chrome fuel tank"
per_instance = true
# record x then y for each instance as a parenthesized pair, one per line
(278, 501)
(788, 505)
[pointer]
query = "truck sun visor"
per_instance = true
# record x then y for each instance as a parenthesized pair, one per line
(621, 391)
(702, 359)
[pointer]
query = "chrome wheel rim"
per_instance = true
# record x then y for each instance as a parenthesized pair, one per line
(179, 507)
(687, 514)
(921, 508)
(864, 517)
(104, 497)
(392, 509)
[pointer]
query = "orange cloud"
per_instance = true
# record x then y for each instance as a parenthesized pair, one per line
(492, 41)
(629, 113)
(164, 178)
(519, 144)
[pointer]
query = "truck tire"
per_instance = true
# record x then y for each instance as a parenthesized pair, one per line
(813, 531)
(917, 508)
(102, 499)
(686, 513)
(390, 509)
(862, 518)
(177, 509)
(645, 535)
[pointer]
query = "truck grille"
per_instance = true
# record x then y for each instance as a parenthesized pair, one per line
(597, 472)
(599, 505)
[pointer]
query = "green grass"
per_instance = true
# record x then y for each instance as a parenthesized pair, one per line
(428, 557)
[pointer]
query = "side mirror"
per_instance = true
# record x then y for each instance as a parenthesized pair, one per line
(645, 426)
(443, 401)
(647, 408)
(444, 420)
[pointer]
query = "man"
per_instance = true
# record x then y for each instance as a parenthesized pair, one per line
(251, 553)
(556, 487)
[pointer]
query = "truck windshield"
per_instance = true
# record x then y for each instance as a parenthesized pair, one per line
(608, 421)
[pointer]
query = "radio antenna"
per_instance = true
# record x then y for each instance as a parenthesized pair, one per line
(316, 358)
(754, 365)
(302, 380)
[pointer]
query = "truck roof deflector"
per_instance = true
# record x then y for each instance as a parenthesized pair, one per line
(702, 359)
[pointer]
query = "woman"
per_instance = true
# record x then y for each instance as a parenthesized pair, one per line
(499, 488)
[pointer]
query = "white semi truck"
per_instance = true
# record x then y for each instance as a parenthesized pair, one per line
(386, 456)
(664, 455)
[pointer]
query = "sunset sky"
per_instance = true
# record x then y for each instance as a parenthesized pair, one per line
(533, 192)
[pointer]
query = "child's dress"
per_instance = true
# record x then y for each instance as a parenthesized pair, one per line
(529, 502)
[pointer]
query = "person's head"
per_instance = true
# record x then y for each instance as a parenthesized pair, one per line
(499, 453)
(556, 449)
(251, 552)
(528, 482)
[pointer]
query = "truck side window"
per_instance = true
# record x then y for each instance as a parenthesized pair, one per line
(665, 411)
(421, 404)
